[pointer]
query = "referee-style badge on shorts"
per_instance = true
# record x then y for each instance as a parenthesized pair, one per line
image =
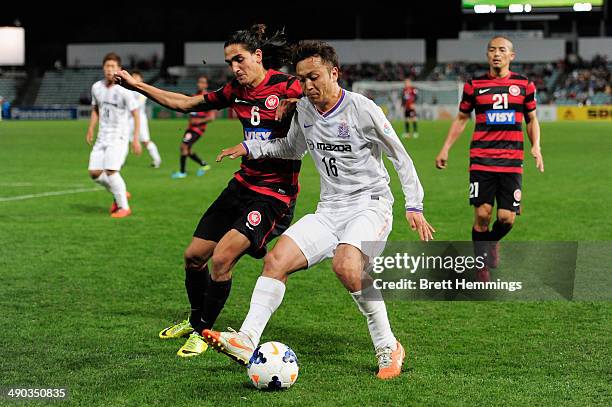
(254, 218)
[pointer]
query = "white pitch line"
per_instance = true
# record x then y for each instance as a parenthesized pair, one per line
(44, 184)
(45, 194)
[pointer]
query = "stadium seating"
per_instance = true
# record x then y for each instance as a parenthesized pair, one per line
(71, 86)
(565, 82)
(9, 85)
(380, 72)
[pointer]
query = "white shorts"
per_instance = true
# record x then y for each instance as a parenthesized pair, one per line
(143, 134)
(108, 156)
(317, 235)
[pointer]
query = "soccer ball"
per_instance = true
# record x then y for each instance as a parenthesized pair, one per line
(273, 366)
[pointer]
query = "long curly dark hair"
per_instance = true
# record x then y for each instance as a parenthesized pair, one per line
(274, 48)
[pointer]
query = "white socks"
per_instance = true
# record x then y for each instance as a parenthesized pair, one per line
(152, 148)
(102, 180)
(118, 189)
(373, 307)
(267, 296)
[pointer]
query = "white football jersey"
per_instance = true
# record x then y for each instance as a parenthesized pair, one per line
(346, 144)
(142, 106)
(115, 104)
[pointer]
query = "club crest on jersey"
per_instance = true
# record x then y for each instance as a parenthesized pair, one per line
(343, 129)
(517, 195)
(500, 117)
(387, 128)
(514, 90)
(254, 218)
(272, 102)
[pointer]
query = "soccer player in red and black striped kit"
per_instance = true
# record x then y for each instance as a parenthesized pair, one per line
(196, 128)
(258, 203)
(409, 96)
(501, 99)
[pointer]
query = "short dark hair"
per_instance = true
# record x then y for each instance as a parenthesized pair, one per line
(111, 56)
(137, 72)
(202, 76)
(321, 49)
(502, 37)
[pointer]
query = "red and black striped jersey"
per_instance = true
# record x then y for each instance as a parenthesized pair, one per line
(410, 96)
(256, 109)
(196, 119)
(500, 105)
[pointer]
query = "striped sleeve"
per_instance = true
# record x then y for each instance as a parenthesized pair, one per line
(294, 90)
(467, 100)
(219, 99)
(530, 98)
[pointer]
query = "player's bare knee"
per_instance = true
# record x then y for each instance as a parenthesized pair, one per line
(95, 174)
(345, 267)
(195, 259)
(222, 262)
(483, 217)
(506, 218)
(109, 172)
(273, 267)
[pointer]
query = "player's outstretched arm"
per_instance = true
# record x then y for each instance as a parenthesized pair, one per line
(171, 100)
(276, 148)
(533, 132)
(454, 132)
(93, 120)
(418, 223)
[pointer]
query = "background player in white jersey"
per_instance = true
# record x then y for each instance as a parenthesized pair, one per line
(346, 134)
(112, 104)
(144, 135)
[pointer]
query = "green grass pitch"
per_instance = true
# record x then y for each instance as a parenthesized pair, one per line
(83, 296)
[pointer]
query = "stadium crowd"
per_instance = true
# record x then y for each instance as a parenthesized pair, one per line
(572, 81)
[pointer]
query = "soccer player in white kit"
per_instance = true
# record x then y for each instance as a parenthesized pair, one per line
(346, 134)
(112, 104)
(144, 135)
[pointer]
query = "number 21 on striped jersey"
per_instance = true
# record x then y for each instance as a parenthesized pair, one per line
(500, 101)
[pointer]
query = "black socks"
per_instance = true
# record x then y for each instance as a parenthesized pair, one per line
(215, 298)
(499, 230)
(196, 282)
(197, 159)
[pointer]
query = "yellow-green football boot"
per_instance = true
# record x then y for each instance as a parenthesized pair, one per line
(193, 347)
(180, 330)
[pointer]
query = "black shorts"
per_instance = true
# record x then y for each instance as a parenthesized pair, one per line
(259, 217)
(410, 114)
(501, 187)
(191, 137)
